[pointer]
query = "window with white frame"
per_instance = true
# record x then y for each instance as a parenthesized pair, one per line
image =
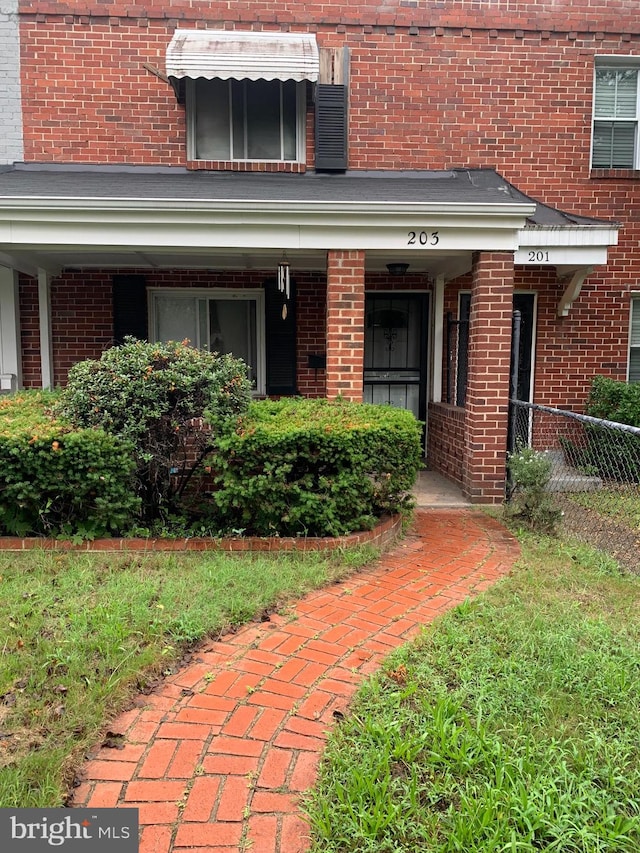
(246, 120)
(223, 321)
(615, 115)
(634, 340)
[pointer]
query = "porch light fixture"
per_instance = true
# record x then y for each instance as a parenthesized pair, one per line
(397, 268)
(284, 281)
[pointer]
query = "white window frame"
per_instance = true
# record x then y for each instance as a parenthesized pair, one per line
(616, 63)
(301, 125)
(633, 302)
(198, 293)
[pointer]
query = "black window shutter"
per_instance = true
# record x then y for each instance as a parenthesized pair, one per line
(129, 307)
(331, 127)
(280, 334)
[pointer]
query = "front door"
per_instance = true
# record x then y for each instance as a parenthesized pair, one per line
(395, 350)
(522, 367)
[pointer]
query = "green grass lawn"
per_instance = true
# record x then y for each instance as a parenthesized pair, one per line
(621, 503)
(80, 633)
(512, 725)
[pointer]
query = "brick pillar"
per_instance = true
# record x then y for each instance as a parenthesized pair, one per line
(487, 400)
(345, 324)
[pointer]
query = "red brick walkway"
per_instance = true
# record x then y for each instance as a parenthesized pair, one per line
(217, 757)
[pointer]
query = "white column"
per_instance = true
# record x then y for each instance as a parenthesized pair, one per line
(10, 357)
(438, 327)
(44, 310)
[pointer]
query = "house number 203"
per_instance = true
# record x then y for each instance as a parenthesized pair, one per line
(423, 238)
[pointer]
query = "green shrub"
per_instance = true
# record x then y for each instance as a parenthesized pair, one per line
(614, 401)
(529, 501)
(55, 480)
(609, 453)
(154, 396)
(315, 467)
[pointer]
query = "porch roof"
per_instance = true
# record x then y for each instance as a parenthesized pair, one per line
(171, 184)
(53, 216)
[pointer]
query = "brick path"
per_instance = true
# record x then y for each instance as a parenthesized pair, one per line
(217, 757)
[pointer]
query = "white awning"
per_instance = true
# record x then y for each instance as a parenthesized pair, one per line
(229, 54)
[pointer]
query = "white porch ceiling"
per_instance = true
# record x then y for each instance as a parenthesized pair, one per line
(55, 260)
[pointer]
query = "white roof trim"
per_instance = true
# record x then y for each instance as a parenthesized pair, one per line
(231, 54)
(539, 236)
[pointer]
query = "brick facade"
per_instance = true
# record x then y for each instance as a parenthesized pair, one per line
(507, 86)
(345, 324)
(485, 434)
(445, 440)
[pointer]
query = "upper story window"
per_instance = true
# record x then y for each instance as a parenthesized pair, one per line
(245, 120)
(245, 93)
(616, 113)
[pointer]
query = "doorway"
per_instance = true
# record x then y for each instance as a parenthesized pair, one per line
(395, 351)
(524, 315)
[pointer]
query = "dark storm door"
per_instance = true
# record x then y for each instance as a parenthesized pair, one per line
(522, 361)
(395, 351)
(525, 304)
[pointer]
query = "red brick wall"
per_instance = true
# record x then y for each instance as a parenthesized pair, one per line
(345, 324)
(506, 85)
(570, 350)
(30, 332)
(311, 334)
(83, 328)
(487, 399)
(445, 440)
(81, 303)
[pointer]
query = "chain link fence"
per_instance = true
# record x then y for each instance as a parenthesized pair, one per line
(594, 480)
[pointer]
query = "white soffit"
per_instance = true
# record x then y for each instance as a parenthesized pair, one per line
(229, 54)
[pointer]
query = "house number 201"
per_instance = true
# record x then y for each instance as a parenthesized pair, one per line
(538, 256)
(423, 238)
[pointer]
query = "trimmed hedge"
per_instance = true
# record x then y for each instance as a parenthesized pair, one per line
(58, 481)
(315, 467)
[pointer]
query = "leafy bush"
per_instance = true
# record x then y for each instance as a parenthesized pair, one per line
(529, 502)
(55, 480)
(315, 467)
(609, 453)
(154, 396)
(614, 401)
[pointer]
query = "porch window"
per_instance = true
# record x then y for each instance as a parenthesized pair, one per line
(246, 120)
(223, 321)
(615, 117)
(634, 340)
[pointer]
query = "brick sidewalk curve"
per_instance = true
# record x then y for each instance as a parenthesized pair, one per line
(216, 758)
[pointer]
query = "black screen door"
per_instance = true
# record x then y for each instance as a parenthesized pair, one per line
(395, 351)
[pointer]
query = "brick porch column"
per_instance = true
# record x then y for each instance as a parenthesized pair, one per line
(345, 324)
(487, 401)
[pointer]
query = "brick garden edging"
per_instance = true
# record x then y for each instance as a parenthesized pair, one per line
(382, 534)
